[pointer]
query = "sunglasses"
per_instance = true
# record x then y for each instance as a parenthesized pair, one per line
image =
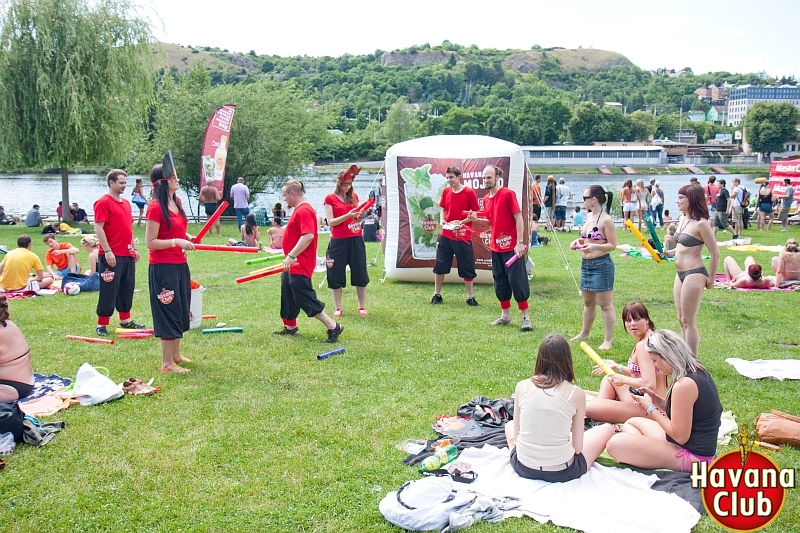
(587, 198)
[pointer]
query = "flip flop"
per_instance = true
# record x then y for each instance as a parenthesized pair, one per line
(182, 359)
(174, 368)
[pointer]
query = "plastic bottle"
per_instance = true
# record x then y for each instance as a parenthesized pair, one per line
(439, 459)
(220, 156)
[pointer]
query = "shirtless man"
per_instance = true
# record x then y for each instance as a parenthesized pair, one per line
(209, 198)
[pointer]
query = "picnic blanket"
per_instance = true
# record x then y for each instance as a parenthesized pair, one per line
(754, 248)
(775, 368)
(590, 503)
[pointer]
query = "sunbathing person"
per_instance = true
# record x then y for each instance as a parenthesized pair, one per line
(687, 433)
(614, 402)
(548, 407)
(16, 372)
(749, 278)
(787, 264)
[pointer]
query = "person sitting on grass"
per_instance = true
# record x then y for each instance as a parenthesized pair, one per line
(615, 402)
(669, 241)
(276, 234)
(16, 371)
(249, 233)
(679, 428)
(749, 278)
(787, 263)
(667, 217)
(90, 246)
(16, 268)
(546, 437)
(535, 230)
(61, 258)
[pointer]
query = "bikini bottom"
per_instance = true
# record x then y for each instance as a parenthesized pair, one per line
(682, 274)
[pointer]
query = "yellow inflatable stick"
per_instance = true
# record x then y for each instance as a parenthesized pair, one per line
(596, 358)
(638, 235)
(759, 180)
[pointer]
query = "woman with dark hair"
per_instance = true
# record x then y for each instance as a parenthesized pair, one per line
(679, 428)
(694, 231)
(750, 278)
(16, 370)
(614, 402)
(787, 263)
(548, 407)
(346, 246)
(137, 197)
(598, 238)
(630, 203)
(170, 292)
(764, 207)
(249, 233)
(279, 213)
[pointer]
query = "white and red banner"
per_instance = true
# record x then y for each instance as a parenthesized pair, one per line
(781, 170)
(215, 148)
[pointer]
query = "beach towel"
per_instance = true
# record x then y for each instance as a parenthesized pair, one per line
(45, 385)
(755, 248)
(602, 500)
(774, 368)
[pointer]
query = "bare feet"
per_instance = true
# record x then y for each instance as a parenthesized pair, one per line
(579, 337)
(605, 346)
(182, 359)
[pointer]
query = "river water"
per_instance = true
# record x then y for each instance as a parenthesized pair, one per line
(18, 192)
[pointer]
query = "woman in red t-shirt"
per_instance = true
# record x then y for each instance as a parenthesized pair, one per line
(170, 292)
(346, 246)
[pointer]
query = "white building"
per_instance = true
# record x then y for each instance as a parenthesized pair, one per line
(595, 155)
(743, 97)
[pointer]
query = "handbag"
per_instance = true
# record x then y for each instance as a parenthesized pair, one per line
(91, 387)
(777, 427)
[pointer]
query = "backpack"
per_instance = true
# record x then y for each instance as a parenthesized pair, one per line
(745, 197)
(424, 504)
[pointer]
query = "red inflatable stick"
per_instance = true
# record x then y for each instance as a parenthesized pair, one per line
(221, 248)
(270, 272)
(210, 222)
(209, 317)
(90, 339)
(479, 214)
(366, 204)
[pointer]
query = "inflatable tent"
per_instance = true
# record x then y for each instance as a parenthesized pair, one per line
(415, 179)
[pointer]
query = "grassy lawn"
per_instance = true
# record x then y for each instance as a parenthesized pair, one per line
(261, 436)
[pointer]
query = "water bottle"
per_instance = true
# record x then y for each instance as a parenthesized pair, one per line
(440, 458)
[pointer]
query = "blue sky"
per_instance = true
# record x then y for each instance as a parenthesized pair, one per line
(735, 36)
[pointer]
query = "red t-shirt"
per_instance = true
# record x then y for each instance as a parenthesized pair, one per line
(454, 205)
(302, 221)
(350, 227)
(117, 219)
(500, 211)
(173, 255)
(61, 261)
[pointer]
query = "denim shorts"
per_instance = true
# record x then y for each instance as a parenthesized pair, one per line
(597, 275)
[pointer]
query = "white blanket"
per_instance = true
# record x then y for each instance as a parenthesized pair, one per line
(603, 500)
(774, 368)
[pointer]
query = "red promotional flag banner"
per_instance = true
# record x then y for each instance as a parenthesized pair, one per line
(215, 148)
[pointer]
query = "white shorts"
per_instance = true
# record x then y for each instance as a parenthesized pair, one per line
(629, 207)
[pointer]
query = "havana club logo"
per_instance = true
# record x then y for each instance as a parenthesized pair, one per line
(166, 296)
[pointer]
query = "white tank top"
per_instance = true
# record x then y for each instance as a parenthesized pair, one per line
(545, 422)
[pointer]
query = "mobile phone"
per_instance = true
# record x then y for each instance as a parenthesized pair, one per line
(635, 391)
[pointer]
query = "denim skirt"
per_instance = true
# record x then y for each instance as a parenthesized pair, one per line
(597, 275)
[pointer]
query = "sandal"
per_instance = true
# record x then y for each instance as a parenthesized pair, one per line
(362, 312)
(174, 368)
(337, 313)
(137, 387)
(182, 359)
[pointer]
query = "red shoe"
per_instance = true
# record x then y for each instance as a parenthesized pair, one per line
(362, 312)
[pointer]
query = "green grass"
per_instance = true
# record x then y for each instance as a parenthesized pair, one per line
(263, 437)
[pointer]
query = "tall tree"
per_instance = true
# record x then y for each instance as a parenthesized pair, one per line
(768, 125)
(400, 125)
(76, 80)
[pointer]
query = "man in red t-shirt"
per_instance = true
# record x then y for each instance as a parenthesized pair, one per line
(300, 249)
(116, 262)
(504, 215)
(455, 238)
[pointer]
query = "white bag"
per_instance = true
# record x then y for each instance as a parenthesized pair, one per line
(91, 387)
(424, 504)
(655, 201)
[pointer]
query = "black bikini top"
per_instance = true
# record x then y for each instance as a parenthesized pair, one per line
(688, 240)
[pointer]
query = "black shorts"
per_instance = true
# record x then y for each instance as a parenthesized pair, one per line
(170, 299)
(573, 471)
(446, 249)
(297, 293)
(343, 252)
(210, 209)
(116, 285)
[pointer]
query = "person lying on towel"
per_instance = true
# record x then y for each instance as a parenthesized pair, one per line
(749, 278)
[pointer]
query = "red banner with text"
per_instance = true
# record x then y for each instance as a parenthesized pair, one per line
(215, 148)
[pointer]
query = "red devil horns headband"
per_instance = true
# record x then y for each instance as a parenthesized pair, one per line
(349, 174)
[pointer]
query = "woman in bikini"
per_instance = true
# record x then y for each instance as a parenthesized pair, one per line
(787, 264)
(615, 402)
(16, 370)
(249, 233)
(750, 278)
(546, 437)
(764, 207)
(694, 231)
(629, 203)
(137, 197)
(679, 428)
(598, 238)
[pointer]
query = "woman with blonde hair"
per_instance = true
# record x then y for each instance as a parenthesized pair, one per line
(680, 427)
(90, 245)
(643, 201)
(546, 437)
(787, 264)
